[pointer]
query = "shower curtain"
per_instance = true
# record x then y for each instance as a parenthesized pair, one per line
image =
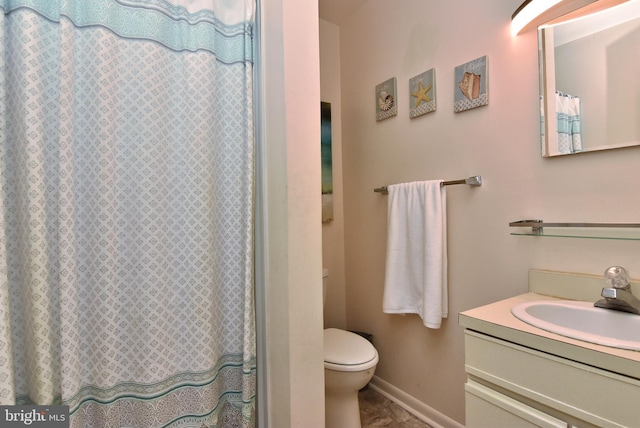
(569, 123)
(126, 238)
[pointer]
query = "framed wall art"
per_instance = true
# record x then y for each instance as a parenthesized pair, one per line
(422, 91)
(327, 162)
(471, 85)
(386, 99)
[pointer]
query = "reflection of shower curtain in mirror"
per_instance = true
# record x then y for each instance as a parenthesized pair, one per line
(569, 125)
(126, 189)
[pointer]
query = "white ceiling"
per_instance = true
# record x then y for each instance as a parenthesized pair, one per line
(336, 10)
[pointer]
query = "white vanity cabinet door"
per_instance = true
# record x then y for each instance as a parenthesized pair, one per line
(579, 394)
(486, 408)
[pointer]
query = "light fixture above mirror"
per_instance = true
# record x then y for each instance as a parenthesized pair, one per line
(533, 13)
(528, 12)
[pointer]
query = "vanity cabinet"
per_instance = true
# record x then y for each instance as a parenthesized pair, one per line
(509, 385)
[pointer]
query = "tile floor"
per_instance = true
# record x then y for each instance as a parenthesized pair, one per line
(378, 411)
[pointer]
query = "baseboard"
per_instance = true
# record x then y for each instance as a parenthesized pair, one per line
(413, 405)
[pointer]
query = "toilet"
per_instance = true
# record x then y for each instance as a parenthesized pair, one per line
(349, 363)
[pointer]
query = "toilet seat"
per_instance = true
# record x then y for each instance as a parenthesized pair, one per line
(348, 352)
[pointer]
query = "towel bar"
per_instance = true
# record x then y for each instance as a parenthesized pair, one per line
(474, 181)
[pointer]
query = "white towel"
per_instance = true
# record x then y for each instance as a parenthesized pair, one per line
(416, 271)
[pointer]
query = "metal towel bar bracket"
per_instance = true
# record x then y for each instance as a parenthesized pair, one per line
(474, 181)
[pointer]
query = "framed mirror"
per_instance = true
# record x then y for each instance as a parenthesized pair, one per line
(590, 80)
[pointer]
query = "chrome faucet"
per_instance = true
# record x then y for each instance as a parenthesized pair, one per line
(618, 295)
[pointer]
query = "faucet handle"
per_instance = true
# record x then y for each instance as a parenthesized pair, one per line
(609, 293)
(617, 277)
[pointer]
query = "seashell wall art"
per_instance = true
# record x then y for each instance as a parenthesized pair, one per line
(386, 99)
(471, 85)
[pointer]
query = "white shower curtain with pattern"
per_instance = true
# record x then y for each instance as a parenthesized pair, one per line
(126, 238)
(569, 123)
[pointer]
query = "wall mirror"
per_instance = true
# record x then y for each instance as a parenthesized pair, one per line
(590, 80)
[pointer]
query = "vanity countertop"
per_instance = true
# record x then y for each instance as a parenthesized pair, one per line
(496, 320)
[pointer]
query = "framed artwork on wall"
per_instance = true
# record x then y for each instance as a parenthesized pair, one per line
(422, 91)
(386, 99)
(471, 85)
(327, 162)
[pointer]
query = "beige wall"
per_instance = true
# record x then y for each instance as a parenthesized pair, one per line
(500, 142)
(333, 232)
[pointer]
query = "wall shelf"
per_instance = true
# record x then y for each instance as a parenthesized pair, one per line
(619, 231)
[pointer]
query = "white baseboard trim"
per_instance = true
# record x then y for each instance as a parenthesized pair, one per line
(413, 405)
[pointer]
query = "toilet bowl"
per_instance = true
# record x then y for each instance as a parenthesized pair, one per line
(349, 364)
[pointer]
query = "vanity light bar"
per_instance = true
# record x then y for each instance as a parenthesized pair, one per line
(533, 13)
(528, 11)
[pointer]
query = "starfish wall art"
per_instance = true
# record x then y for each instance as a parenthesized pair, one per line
(422, 89)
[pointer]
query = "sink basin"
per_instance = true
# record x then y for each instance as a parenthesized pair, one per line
(583, 321)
